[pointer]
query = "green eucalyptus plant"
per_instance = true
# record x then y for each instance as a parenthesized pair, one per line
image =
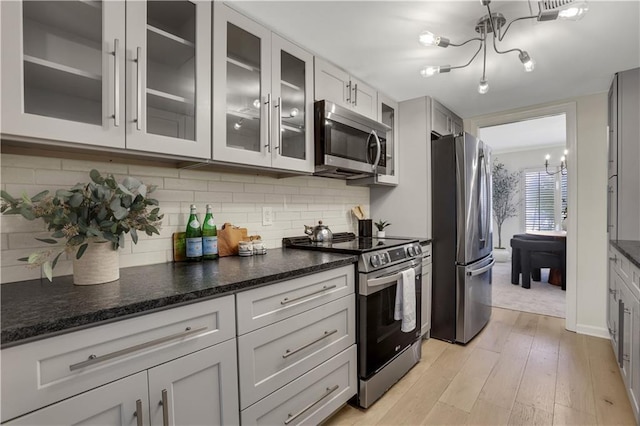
(102, 210)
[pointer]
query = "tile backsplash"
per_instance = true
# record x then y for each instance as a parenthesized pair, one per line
(235, 198)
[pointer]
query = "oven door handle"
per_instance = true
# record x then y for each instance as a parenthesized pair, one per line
(385, 279)
(481, 270)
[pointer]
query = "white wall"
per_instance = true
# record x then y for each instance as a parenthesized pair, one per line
(591, 217)
(235, 198)
(516, 162)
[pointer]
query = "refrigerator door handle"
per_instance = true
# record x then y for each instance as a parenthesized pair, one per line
(486, 210)
(482, 270)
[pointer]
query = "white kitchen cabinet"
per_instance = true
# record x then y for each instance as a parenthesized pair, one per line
(416, 128)
(624, 316)
(197, 389)
(612, 300)
(336, 85)
(263, 107)
(311, 398)
(73, 71)
(443, 120)
(168, 69)
(63, 71)
(274, 355)
(626, 330)
(634, 387)
(266, 305)
(46, 371)
(114, 404)
(296, 348)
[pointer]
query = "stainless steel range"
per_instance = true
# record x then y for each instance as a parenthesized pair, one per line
(385, 352)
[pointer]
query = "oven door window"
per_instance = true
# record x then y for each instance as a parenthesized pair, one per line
(354, 144)
(380, 336)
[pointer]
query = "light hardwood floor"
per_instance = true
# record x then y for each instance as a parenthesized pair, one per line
(522, 369)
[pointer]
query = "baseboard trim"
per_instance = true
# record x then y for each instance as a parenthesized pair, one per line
(592, 331)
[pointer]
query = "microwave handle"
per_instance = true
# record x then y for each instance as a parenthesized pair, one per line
(379, 146)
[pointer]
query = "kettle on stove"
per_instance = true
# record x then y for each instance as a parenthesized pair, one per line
(319, 234)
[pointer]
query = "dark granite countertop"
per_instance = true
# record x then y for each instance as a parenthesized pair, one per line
(35, 309)
(630, 249)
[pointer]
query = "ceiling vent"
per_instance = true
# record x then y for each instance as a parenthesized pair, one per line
(562, 9)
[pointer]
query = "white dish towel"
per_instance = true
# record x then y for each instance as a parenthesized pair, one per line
(405, 307)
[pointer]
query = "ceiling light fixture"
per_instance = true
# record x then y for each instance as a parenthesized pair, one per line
(493, 23)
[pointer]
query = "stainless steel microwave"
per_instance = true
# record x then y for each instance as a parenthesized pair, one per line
(348, 145)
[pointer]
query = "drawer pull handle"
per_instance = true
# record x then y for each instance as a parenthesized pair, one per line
(292, 417)
(165, 408)
(326, 334)
(138, 413)
(93, 359)
(286, 300)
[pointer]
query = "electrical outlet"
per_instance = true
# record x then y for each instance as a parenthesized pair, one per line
(267, 216)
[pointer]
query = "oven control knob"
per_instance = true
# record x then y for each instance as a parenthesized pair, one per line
(385, 258)
(411, 251)
(375, 261)
(418, 249)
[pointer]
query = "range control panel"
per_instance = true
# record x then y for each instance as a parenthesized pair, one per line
(383, 258)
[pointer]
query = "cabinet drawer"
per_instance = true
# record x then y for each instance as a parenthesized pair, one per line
(275, 355)
(265, 305)
(311, 398)
(624, 267)
(40, 373)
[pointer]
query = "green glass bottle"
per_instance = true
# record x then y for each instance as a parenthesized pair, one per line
(193, 237)
(209, 236)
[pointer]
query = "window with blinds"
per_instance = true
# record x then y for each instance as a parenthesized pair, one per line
(543, 204)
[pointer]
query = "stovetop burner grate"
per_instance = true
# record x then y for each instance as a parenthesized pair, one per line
(338, 237)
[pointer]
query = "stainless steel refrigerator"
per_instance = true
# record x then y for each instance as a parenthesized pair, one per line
(462, 237)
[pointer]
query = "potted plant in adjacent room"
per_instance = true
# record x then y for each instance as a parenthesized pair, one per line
(93, 218)
(505, 203)
(381, 224)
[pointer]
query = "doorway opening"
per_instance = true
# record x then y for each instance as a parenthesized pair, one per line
(531, 163)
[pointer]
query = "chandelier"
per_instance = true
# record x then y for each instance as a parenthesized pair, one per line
(493, 23)
(563, 164)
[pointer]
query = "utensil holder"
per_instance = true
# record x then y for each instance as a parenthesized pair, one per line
(365, 228)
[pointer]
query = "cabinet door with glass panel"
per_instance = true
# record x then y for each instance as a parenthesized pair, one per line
(262, 85)
(388, 113)
(169, 77)
(292, 88)
(62, 71)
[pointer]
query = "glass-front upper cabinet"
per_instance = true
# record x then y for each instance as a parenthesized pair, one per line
(263, 104)
(388, 113)
(292, 90)
(62, 71)
(169, 74)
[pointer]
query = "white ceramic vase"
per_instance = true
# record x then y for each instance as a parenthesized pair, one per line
(381, 234)
(99, 264)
